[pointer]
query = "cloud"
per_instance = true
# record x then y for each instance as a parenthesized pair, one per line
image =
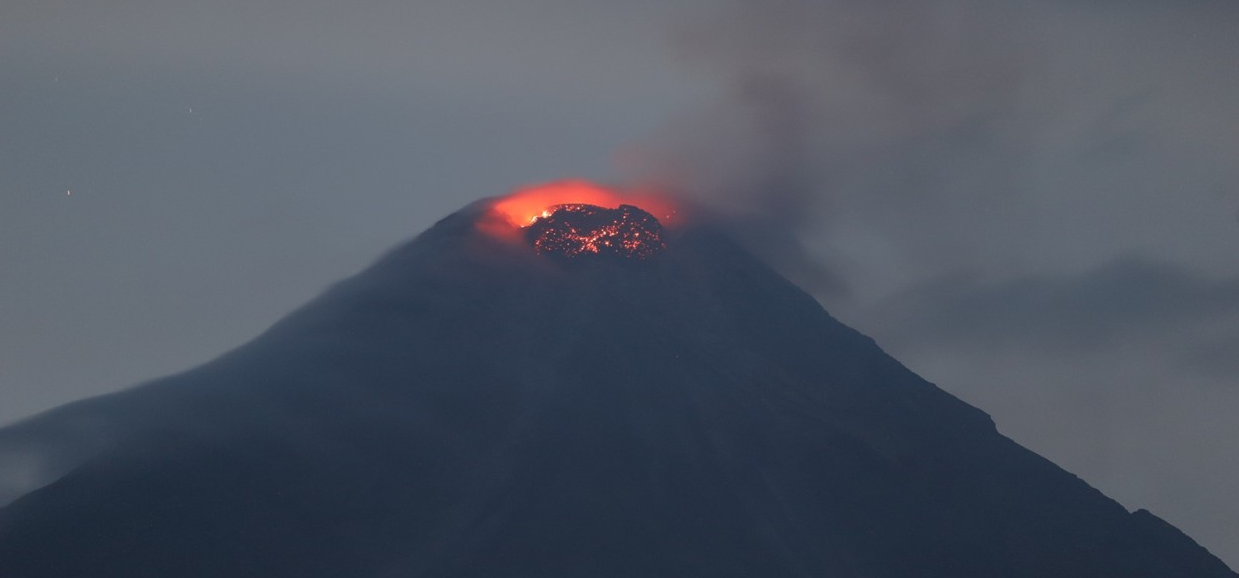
(1050, 148)
(1030, 203)
(1004, 136)
(1124, 301)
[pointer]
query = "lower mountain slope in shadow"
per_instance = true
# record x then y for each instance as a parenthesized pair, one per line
(473, 407)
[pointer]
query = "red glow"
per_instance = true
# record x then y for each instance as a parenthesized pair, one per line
(584, 230)
(527, 204)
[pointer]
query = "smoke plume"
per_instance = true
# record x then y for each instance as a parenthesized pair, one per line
(897, 139)
(1031, 203)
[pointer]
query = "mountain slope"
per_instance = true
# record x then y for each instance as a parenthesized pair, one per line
(467, 407)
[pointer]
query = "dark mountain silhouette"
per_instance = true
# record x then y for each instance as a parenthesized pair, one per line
(470, 408)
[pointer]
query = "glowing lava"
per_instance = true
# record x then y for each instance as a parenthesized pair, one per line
(578, 230)
(581, 219)
(525, 205)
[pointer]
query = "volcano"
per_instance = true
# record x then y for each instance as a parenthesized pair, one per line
(478, 405)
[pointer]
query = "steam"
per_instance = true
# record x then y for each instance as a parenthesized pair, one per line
(885, 142)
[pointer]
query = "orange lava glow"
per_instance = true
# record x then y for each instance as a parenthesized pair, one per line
(525, 205)
(581, 230)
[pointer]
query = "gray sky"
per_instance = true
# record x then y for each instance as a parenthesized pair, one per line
(1033, 204)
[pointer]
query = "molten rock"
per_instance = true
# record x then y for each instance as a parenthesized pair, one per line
(588, 230)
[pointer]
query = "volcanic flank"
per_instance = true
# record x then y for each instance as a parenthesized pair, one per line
(493, 399)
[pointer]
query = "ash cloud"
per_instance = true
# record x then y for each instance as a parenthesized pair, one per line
(1005, 136)
(1030, 203)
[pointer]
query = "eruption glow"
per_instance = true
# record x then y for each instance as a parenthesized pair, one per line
(527, 204)
(581, 219)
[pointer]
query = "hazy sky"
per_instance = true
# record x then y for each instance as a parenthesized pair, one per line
(1033, 204)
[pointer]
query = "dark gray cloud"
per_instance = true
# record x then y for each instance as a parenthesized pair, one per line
(1127, 300)
(1217, 357)
(1009, 135)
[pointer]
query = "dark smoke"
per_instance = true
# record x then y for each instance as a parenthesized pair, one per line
(959, 133)
(995, 181)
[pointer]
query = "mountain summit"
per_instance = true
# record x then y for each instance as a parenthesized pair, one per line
(472, 406)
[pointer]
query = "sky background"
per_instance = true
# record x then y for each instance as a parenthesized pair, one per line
(1033, 204)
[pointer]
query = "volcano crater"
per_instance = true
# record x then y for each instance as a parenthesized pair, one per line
(590, 231)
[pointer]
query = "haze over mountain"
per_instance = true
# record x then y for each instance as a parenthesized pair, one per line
(471, 406)
(1031, 204)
